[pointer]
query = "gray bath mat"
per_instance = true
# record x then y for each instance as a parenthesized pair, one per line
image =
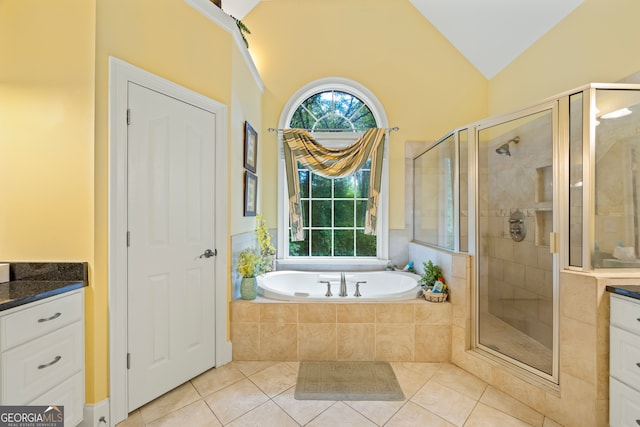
(347, 381)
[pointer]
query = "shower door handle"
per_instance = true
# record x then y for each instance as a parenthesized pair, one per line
(553, 242)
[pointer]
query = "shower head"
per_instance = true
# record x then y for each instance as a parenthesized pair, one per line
(503, 150)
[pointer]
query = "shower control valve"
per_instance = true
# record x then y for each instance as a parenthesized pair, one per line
(517, 228)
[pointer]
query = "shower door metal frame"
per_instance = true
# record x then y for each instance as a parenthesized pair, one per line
(557, 245)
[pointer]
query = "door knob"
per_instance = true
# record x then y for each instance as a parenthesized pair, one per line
(208, 253)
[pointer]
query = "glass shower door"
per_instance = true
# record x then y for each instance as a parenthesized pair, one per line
(516, 280)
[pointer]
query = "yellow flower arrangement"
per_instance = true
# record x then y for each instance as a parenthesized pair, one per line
(263, 237)
(253, 262)
(250, 263)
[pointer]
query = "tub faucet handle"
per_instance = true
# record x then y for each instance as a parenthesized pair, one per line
(328, 294)
(358, 294)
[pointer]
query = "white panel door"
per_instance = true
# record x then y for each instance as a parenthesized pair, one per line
(171, 182)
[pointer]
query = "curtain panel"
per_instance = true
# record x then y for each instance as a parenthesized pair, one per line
(300, 146)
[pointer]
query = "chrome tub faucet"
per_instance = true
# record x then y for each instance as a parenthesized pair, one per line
(343, 285)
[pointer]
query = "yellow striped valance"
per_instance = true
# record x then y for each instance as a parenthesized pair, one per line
(299, 146)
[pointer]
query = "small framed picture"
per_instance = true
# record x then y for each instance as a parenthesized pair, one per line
(250, 148)
(250, 193)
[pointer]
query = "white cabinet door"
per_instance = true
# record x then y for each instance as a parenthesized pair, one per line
(625, 405)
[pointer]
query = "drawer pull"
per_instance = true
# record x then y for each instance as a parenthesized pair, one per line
(55, 316)
(53, 362)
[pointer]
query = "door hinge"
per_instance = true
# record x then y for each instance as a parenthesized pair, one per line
(128, 116)
(128, 360)
(128, 238)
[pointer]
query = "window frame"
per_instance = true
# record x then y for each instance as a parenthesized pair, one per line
(333, 140)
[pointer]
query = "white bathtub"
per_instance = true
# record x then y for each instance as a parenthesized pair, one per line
(306, 286)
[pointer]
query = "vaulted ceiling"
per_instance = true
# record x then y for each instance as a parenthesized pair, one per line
(489, 33)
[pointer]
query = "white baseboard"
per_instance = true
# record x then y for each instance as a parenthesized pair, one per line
(96, 415)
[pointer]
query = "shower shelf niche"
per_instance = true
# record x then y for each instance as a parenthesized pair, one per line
(544, 186)
(544, 226)
(544, 204)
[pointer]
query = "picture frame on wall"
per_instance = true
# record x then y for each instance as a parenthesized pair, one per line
(250, 193)
(250, 148)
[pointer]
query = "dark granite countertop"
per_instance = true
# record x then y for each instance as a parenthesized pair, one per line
(631, 291)
(32, 281)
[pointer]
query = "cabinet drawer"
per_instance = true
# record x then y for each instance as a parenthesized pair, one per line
(625, 405)
(625, 313)
(41, 364)
(624, 357)
(37, 320)
(69, 394)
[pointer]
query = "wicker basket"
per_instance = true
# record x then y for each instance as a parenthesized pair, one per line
(435, 297)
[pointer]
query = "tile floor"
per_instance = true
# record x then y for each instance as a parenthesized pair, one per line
(261, 394)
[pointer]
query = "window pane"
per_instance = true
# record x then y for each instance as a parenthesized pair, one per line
(346, 104)
(321, 213)
(364, 119)
(299, 248)
(343, 213)
(318, 104)
(305, 213)
(303, 178)
(343, 243)
(343, 187)
(333, 122)
(302, 119)
(365, 244)
(362, 184)
(361, 211)
(321, 242)
(320, 186)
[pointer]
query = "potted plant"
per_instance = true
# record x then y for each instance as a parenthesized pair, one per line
(250, 265)
(432, 281)
(241, 27)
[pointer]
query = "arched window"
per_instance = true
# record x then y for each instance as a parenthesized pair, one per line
(337, 112)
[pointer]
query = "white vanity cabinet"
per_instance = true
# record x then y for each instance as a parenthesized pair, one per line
(624, 362)
(42, 354)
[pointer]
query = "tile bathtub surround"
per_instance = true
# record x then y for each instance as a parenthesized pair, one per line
(261, 393)
(403, 331)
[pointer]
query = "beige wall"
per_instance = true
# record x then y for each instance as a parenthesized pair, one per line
(425, 85)
(183, 46)
(46, 130)
(597, 42)
(46, 141)
(54, 117)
